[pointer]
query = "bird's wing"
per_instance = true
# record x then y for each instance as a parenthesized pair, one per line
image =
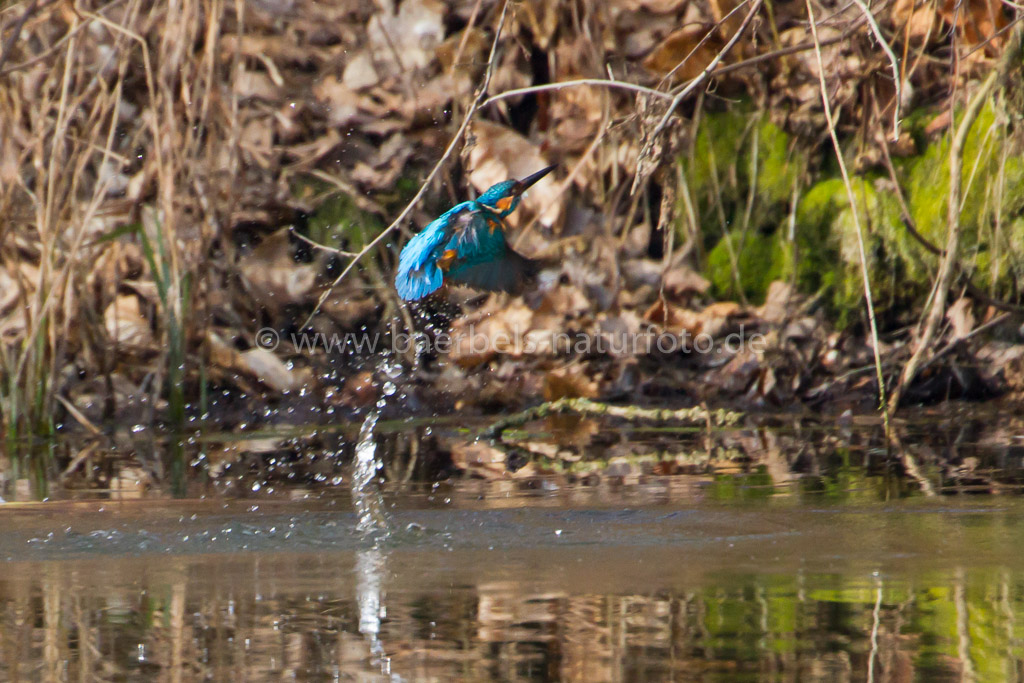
(418, 272)
(483, 258)
(507, 272)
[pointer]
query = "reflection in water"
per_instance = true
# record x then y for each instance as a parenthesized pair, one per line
(370, 565)
(373, 523)
(735, 627)
(911, 592)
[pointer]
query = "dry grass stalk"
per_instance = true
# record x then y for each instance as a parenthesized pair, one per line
(868, 299)
(936, 311)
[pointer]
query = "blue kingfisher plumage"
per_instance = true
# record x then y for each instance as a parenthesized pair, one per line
(466, 245)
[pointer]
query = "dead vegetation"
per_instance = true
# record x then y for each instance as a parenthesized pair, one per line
(175, 178)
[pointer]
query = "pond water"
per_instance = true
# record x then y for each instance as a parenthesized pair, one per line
(513, 589)
(763, 567)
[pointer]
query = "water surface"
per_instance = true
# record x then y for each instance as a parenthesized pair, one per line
(534, 589)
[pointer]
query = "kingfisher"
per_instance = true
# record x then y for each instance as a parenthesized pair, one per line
(466, 245)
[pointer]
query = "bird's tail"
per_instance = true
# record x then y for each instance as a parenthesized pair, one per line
(413, 284)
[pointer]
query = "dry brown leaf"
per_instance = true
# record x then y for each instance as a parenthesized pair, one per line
(407, 40)
(269, 369)
(682, 282)
(479, 459)
(978, 20)
(778, 302)
(341, 101)
(256, 85)
(570, 382)
(360, 73)
(961, 318)
(622, 335)
(474, 45)
(675, 319)
(125, 323)
(577, 114)
(505, 331)
(564, 301)
(675, 48)
(359, 390)
(272, 276)
(716, 317)
(920, 19)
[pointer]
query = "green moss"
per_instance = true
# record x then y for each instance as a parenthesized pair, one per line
(724, 160)
(823, 254)
(339, 223)
(927, 183)
(716, 148)
(760, 259)
(778, 165)
(829, 251)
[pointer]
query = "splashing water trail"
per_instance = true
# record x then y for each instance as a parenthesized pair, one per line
(366, 495)
(373, 521)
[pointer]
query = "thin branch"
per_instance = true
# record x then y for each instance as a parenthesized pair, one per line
(322, 247)
(856, 218)
(783, 52)
(706, 38)
(16, 31)
(693, 85)
(600, 82)
(953, 226)
(477, 102)
(893, 64)
(583, 406)
(999, 319)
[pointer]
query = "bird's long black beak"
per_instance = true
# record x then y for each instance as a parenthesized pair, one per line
(529, 180)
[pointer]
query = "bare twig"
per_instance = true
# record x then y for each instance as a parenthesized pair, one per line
(947, 267)
(893, 64)
(583, 406)
(693, 85)
(16, 31)
(477, 103)
(700, 43)
(999, 319)
(323, 247)
(856, 217)
(599, 82)
(783, 52)
(465, 35)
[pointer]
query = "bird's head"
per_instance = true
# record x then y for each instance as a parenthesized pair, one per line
(504, 197)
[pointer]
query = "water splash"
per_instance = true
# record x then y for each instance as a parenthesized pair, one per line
(366, 494)
(373, 520)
